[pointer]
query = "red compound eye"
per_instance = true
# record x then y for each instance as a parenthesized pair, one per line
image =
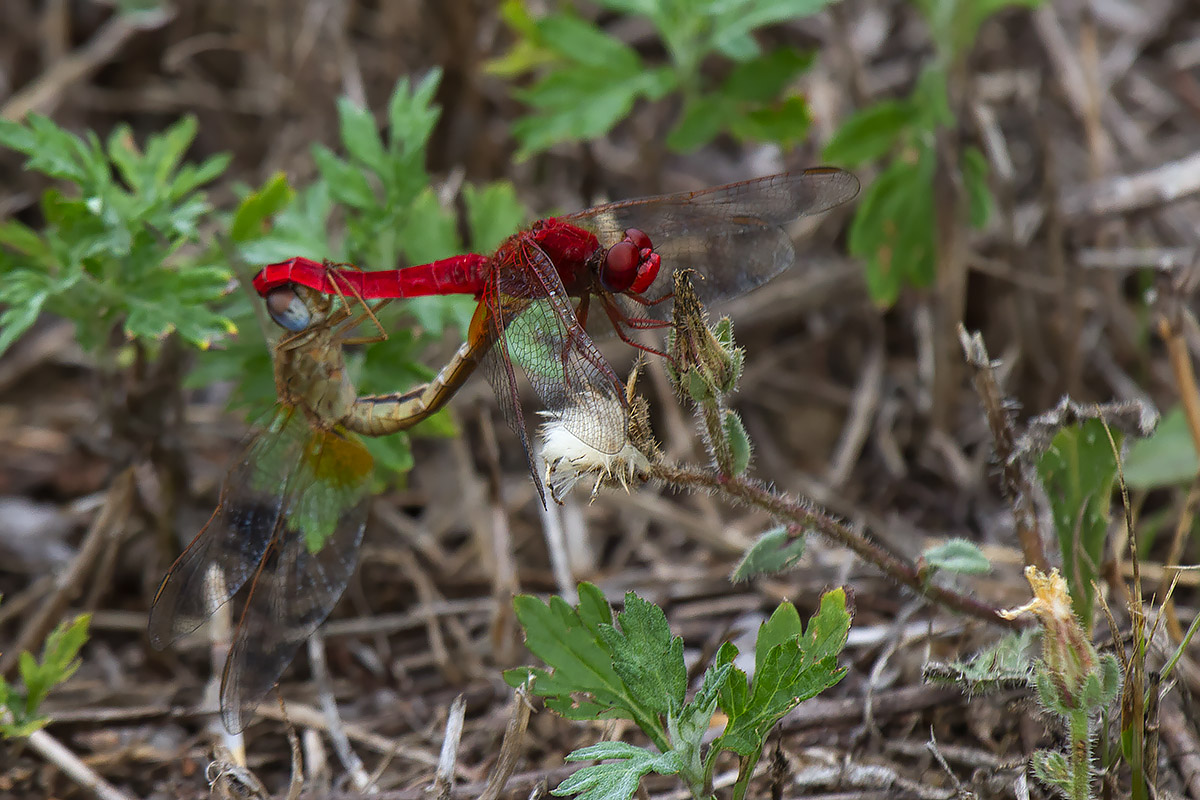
(639, 239)
(620, 266)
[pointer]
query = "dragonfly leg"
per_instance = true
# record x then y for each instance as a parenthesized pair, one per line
(641, 300)
(367, 313)
(581, 311)
(620, 322)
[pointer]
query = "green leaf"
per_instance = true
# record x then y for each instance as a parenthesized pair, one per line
(493, 214)
(762, 79)
(580, 662)
(347, 184)
(1077, 472)
(619, 780)
(583, 102)
(959, 556)
(979, 196)
(256, 209)
(893, 229)
(698, 712)
(869, 134)
(774, 551)
(411, 116)
(646, 657)
(585, 45)
(360, 136)
(783, 626)
(792, 671)
(739, 441)
(1166, 458)
(703, 118)
(785, 122)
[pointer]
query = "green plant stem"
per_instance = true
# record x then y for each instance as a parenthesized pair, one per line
(753, 493)
(1081, 756)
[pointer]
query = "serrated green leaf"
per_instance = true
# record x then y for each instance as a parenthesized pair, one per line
(646, 657)
(783, 626)
(619, 780)
(347, 184)
(774, 551)
(698, 712)
(791, 672)
(579, 662)
(1077, 472)
(870, 133)
(410, 115)
(360, 135)
(958, 556)
(575, 103)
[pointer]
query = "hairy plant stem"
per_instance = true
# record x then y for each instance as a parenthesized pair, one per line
(752, 493)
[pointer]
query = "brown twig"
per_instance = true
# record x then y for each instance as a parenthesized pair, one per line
(749, 492)
(108, 522)
(1016, 484)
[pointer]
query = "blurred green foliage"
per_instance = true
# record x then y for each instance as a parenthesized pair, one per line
(122, 247)
(586, 81)
(894, 229)
(20, 701)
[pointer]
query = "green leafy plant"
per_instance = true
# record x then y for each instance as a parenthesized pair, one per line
(112, 255)
(1077, 471)
(588, 81)
(20, 702)
(894, 229)
(631, 667)
(1074, 683)
(372, 206)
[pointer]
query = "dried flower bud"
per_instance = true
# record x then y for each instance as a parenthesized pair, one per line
(1069, 656)
(703, 364)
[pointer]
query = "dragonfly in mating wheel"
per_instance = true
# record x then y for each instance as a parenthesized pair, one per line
(612, 256)
(292, 510)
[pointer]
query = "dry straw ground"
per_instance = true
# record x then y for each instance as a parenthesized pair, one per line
(1089, 111)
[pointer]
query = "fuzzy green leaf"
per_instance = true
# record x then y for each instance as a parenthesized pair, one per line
(646, 656)
(774, 551)
(618, 780)
(958, 556)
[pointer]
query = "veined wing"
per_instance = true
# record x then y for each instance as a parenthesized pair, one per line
(534, 325)
(233, 541)
(732, 235)
(304, 571)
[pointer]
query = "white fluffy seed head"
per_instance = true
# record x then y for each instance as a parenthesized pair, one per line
(570, 460)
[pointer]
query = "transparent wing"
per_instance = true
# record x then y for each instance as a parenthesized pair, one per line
(535, 326)
(304, 571)
(233, 541)
(731, 235)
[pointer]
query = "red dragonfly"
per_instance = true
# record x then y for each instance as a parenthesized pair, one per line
(613, 255)
(292, 510)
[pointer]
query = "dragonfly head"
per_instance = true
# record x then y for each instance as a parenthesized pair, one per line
(296, 308)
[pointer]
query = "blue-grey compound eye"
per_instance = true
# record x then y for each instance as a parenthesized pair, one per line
(287, 309)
